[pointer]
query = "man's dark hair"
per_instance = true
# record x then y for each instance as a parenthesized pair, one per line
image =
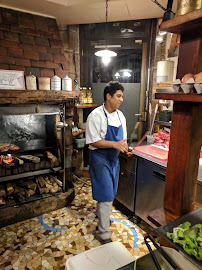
(112, 87)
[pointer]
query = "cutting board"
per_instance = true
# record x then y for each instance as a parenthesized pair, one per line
(152, 151)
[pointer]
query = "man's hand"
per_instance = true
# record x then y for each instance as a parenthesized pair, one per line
(121, 146)
(129, 152)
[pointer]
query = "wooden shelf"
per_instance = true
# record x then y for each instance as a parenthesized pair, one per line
(179, 97)
(78, 132)
(162, 123)
(161, 216)
(28, 174)
(86, 106)
(183, 23)
(36, 96)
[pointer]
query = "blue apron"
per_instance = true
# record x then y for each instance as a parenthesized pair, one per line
(104, 166)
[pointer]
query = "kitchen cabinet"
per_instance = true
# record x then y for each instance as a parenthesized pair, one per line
(149, 188)
(127, 181)
(142, 183)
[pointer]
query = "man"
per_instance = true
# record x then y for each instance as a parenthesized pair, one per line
(106, 135)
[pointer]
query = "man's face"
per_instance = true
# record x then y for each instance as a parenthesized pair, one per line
(115, 100)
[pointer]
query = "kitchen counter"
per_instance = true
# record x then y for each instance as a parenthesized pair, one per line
(164, 163)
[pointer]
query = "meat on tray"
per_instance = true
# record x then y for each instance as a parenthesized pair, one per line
(162, 138)
(4, 147)
(14, 147)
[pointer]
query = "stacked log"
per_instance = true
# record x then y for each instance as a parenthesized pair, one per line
(28, 163)
(25, 188)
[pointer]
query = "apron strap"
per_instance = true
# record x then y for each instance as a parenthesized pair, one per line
(107, 117)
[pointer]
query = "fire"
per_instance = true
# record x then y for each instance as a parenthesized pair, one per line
(6, 159)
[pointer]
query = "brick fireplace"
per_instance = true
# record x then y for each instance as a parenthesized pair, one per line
(32, 43)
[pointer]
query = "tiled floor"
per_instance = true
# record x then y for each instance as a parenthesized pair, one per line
(47, 241)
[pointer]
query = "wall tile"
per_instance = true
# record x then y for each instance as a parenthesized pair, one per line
(42, 41)
(26, 20)
(47, 73)
(7, 60)
(22, 62)
(33, 70)
(11, 36)
(31, 55)
(27, 39)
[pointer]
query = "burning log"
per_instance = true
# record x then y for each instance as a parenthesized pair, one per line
(21, 169)
(15, 170)
(42, 164)
(51, 156)
(37, 166)
(30, 158)
(8, 171)
(18, 161)
(6, 159)
(26, 167)
(47, 164)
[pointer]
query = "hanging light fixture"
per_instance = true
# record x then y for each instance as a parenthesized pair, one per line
(106, 54)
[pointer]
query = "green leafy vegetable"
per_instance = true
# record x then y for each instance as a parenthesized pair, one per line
(188, 237)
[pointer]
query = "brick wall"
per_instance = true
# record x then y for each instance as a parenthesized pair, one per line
(32, 44)
(70, 39)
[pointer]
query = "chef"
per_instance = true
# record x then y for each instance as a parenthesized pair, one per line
(106, 135)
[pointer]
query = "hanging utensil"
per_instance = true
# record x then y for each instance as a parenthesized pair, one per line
(152, 255)
(133, 133)
(161, 251)
(154, 117)
(143, 138)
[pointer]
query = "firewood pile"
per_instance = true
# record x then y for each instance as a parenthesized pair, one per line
(13, 164)
(23, 189)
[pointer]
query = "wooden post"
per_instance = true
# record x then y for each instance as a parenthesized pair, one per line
(183, 159)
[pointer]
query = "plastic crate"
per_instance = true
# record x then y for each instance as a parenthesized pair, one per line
(79, 143)
(110, 256)
(165, 116)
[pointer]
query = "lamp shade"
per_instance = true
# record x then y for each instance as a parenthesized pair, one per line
(105, 53)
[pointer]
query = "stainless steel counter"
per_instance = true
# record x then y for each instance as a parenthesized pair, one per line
(164, 163)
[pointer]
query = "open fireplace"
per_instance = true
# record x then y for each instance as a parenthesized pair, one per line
(33, 159)
(30, 155)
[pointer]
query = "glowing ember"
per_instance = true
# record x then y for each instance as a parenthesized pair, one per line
(6, 159)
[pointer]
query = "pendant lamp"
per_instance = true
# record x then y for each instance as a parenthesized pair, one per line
(106, 54)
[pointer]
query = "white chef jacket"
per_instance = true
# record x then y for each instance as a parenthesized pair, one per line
(96, 125)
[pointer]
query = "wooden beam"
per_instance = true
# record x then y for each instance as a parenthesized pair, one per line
(188, 22)
(142, 89)
(179, 97)
(36, 96)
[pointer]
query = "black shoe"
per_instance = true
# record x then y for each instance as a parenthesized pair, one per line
(106, 241)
